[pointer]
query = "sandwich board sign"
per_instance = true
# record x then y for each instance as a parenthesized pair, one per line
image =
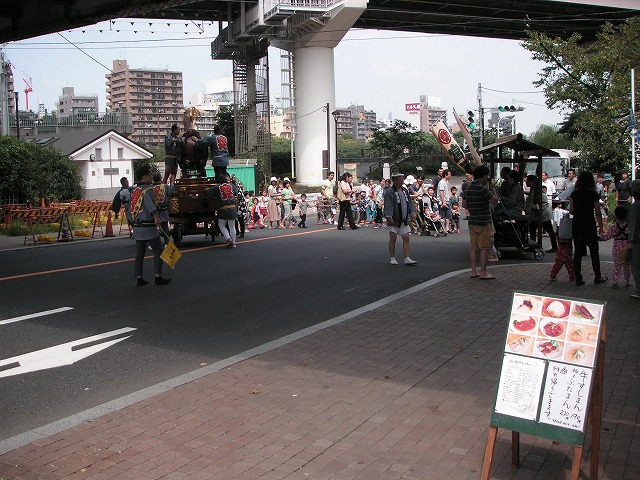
(551, 374)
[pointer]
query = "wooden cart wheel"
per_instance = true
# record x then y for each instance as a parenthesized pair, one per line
(177, 234)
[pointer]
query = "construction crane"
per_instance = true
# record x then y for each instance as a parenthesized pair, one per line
(27, 90)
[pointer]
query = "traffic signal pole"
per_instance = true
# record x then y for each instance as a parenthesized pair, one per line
(481, 115)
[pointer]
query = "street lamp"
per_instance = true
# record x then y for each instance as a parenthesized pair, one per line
(336, 114)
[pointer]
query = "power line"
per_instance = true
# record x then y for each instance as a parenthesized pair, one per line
(503, 91)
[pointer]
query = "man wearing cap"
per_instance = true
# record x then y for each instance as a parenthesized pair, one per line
(633, 241)
(410, 183)
(398, 209)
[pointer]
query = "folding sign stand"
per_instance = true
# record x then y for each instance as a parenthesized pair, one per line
(569, 378)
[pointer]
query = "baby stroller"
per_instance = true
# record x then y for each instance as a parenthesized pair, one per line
(433, 223)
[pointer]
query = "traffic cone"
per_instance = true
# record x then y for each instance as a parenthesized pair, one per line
(109, 229)
(42, 202)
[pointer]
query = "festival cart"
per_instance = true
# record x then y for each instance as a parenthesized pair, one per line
(527, 158)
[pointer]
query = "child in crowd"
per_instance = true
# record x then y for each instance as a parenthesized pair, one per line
(362, 208)
(454, 205)
(564, 255)
(321, 211)
(619, 231)
(255, 214)
(432, 200)
(262, 203)
(303, 205)
(558, 213)
(371, 210)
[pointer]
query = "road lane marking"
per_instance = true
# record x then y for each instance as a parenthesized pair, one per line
(114, 405)
(60, 355)
(129, 260)
(35, 315)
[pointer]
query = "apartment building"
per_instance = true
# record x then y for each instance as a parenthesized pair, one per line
(70, 103)
(355, 120)
(153, 97)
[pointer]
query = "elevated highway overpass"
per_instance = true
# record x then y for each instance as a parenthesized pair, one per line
(496, 18)
(309, 30)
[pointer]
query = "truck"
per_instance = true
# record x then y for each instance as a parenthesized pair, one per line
(557, 167)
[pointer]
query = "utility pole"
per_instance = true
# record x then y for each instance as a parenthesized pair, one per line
(481, 115)
(17, 118)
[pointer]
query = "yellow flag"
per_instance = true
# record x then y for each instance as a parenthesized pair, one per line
(170, 255)
(448, 144)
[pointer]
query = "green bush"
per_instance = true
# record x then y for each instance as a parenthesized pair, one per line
(34, 172)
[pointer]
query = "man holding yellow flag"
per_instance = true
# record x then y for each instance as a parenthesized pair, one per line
(146, 222)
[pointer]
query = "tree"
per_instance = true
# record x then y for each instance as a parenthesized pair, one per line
(397, 139)
(549, 136)
(590, 82)
(280, 156)
(34, 172)
(350, 147)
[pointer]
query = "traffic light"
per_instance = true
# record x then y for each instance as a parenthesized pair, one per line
(471, 121)
(511, 108)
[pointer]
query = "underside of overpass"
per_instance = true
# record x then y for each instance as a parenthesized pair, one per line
(307, 31)
(497, 18)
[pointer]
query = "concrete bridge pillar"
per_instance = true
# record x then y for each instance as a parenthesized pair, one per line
(315, 87)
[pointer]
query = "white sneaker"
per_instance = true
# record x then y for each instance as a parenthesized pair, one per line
(393, 261)
(408, 261)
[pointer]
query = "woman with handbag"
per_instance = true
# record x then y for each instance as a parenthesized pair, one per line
(345, 189)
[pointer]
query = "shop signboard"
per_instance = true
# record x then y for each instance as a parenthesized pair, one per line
(547, 373)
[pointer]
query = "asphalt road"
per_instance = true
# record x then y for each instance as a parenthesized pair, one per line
(221, 302)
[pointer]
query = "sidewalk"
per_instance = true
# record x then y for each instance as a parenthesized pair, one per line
(17, 242)
(402, 389)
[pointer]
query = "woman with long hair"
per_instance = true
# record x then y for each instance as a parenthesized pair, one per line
(585, 208)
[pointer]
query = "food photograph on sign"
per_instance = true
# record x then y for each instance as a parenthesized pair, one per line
(554, 329)
(526, 304)
(555, 308)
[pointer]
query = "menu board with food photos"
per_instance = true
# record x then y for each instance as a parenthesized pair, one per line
(547, 368)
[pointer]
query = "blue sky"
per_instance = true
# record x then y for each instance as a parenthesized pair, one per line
(380, 70)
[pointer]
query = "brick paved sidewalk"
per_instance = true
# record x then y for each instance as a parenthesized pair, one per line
(402, 391)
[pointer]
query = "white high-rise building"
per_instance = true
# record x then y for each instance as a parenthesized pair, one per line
(218, 93)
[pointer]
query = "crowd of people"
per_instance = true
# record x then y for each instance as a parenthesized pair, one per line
(573, 222)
